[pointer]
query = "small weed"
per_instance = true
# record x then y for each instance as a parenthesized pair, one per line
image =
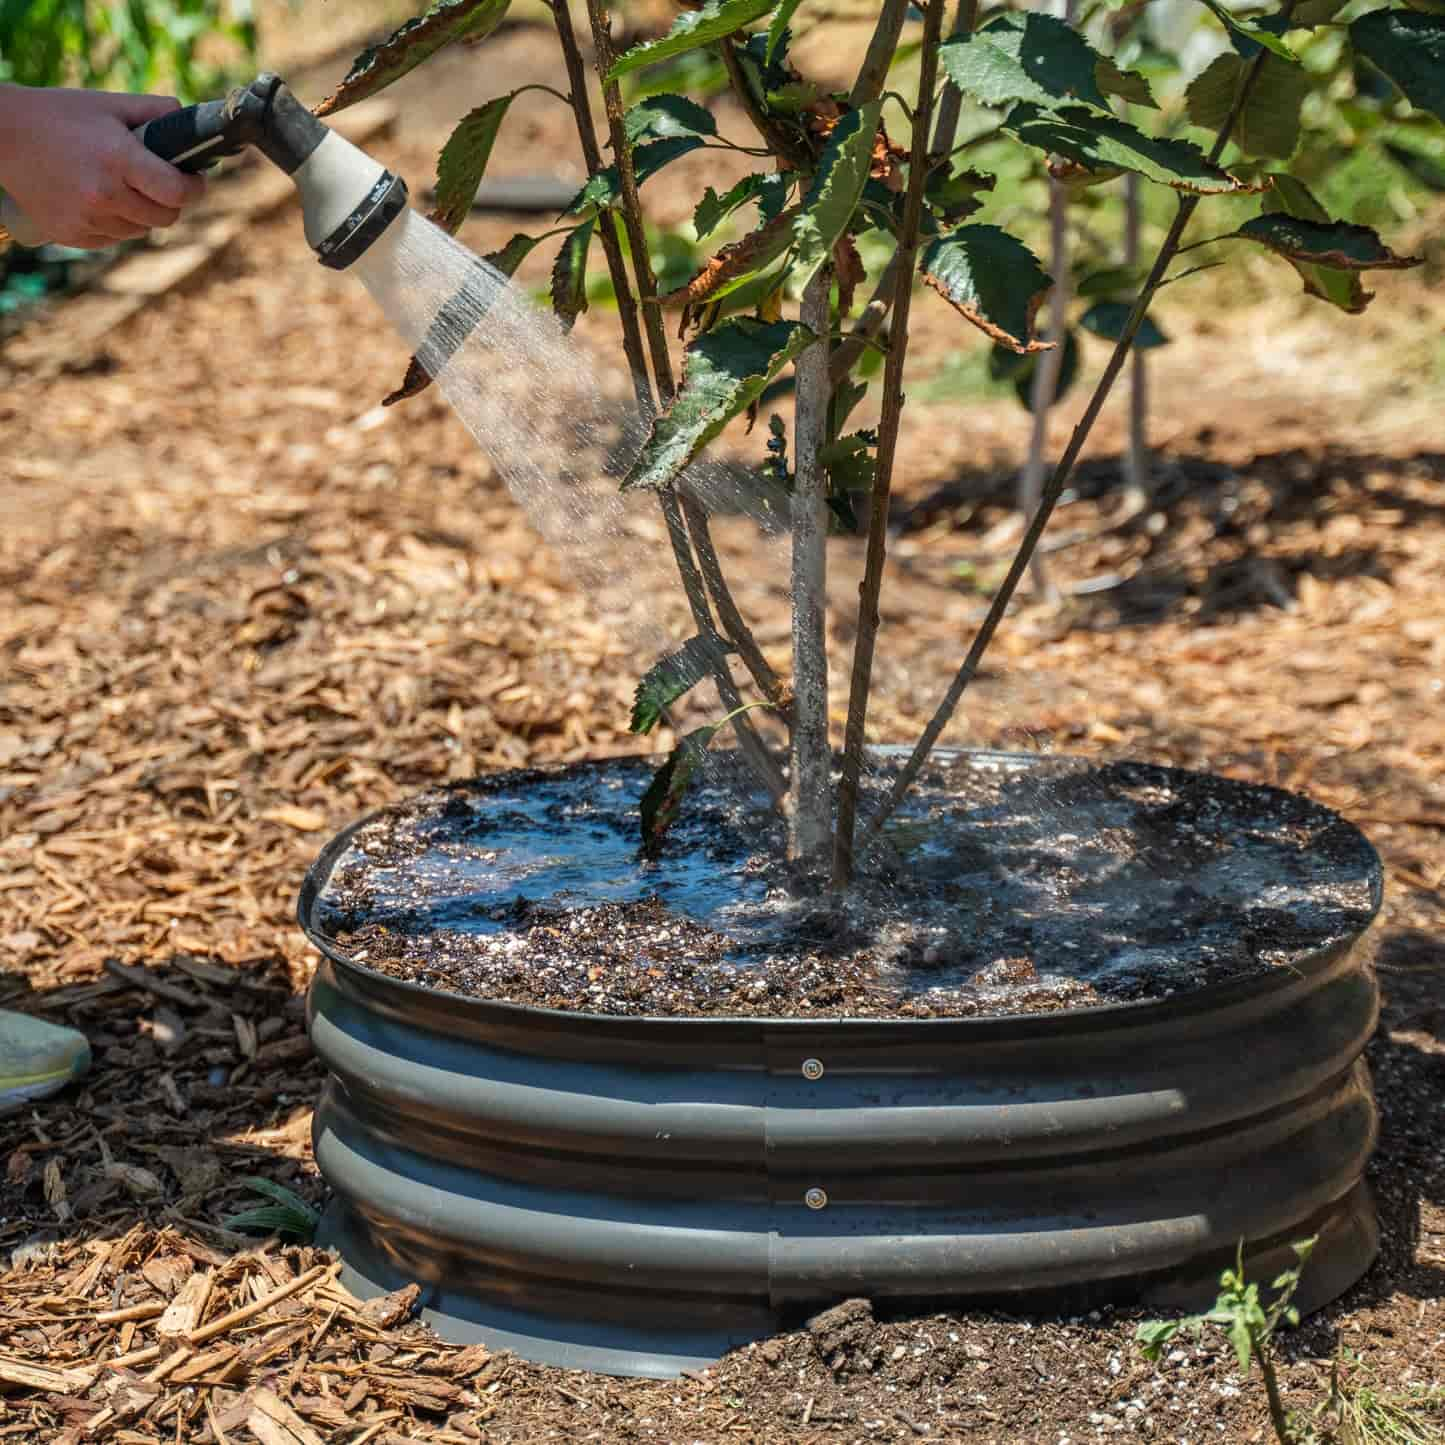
(1356, 1412)
(288, 1215)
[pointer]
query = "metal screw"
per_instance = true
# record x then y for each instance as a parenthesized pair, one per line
(816, 1199)
(812, 1068)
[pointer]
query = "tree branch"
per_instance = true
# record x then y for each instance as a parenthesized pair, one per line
(1057, 482)
(874, 74)
(889, 425)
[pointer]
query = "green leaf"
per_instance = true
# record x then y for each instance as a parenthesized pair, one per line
(737, 264)
(1242, 1341)
(670, 677)
(661, 116)
(1126, 84)
(725, 371)
(1410, 49)
(779, 27)
(1310, 13)
(956, 197)
(836, 190)
(1101, 142)
(404, 49)
(991, 279)
(289, 1214)
(849, 462)
(692, 30)
(662, 801)
(604, 190)
(1106, 319)
(463, 162)
(512, 254)
(1337, 244)
(1269, 124)
(1344, 289)
(1251, 30)
(1152, 1335)
(569, 276)
(1038, 58)
(1068, 372)
(769, 191)
(1111, 280)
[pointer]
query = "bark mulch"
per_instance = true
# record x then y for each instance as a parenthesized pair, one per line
(244, 605)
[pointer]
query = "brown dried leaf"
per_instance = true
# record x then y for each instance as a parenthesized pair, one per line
(738, 259)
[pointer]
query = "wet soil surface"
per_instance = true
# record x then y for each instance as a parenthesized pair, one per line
(1005, 885)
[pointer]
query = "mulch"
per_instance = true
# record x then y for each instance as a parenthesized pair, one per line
(245, 605)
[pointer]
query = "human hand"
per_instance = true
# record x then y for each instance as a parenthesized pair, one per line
(69, 161)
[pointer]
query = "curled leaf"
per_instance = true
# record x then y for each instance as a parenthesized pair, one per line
(843, 170)
(991, 279)
(693, 29)
(405, 48)
(463, 162)
(726, 370)
(569, 276)
(670, 677)
(1338, 244)
(735, 263)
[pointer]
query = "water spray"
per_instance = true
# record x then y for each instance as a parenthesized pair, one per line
(347, 199)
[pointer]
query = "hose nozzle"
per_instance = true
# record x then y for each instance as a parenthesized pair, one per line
(347, 199)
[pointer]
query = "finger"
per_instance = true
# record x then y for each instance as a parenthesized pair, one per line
(159, 181)
(115, 228)
(131, 205)
(134, 110)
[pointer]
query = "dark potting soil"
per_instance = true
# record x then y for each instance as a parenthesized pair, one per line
(1006, 885)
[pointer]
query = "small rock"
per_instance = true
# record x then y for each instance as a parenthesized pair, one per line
(772, 1351)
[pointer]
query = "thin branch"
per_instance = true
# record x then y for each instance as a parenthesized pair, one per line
(888, 428)
(875, 313)
(693, 585)
(1136, 455)
(1056, 483)
(874, 74)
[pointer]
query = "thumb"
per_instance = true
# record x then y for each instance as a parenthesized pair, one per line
(134, 110)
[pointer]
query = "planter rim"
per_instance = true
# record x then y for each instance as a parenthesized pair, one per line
(1105, 1016)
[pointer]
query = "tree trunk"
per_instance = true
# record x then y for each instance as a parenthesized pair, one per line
(810, 791)
(1136, 458)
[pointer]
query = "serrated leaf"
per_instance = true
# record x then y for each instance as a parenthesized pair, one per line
(956, 197)
(1269, 124)
(1328, 255)
(662, 801)
(1410, 49)
(661, 116)
(725, 371)
(1340, 288)
(417, 377)
(1253, 31)
(569, 276)
(1101, 142)
(1128, 85)
(463, 162)
(1038, 58)
(405, 48)
(836, 190)
(692, 30)
(1337, 244)
(850, 463)
(991, 279)
(769, 191)
(604, 190)
(778, 28)
(1106, 319)
(669, 678)
(736, 264)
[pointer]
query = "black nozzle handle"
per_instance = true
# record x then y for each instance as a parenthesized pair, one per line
(263, 114)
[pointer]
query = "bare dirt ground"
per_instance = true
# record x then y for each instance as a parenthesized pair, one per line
(243, 605)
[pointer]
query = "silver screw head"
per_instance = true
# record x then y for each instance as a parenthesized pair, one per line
(816, 1199)
(812, 1068)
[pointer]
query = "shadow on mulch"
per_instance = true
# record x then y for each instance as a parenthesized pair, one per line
(1213, 540)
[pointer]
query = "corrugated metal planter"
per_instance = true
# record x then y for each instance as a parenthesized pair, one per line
(638, 1195)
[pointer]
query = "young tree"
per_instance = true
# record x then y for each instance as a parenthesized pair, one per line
(834, 172)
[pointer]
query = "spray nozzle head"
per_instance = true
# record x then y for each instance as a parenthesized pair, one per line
(347, 198)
